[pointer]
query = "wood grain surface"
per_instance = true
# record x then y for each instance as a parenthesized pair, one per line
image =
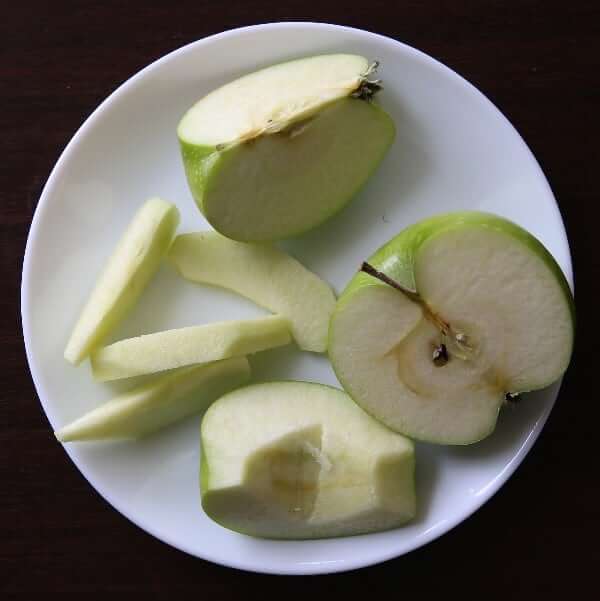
(539, 63)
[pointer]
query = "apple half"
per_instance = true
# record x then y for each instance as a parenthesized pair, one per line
(301, 460)
(131, 266)
(452, 315)
(265, 275)
(277, 152)
(160, 403)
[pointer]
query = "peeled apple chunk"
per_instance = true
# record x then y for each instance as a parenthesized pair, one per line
(474, 307)
(265, 275)
(160, 403)
(160, 351)
(277, 152)
(301, 460)
(133, 263)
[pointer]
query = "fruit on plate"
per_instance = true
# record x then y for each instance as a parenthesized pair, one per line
(301, 460)
(155, 405)
(447, 319)
(265, 275)
(160, 351)
(131, 266)
(277, 152)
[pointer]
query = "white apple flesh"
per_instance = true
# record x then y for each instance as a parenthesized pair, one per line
(477, 284)
(158, 404)
(301, 460)
(131, 266)
(265, 275)
(277, 152)
(170, 349)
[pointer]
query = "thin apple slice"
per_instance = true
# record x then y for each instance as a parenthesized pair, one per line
(160, 351)
(455, 312)
(131, 266)
(301, 460)
(269, 277)
(158, 404)
(279, 151)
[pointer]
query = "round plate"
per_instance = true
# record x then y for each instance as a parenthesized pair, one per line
(454, 150)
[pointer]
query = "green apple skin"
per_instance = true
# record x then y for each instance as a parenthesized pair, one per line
(271, 185)
(133, 263)
(358, 478)
(265, 275)
(396, 259)
(209, 173)
(160, 403)
(181, 347)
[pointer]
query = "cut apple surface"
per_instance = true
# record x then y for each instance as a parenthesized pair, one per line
(277, 152)
(454, 313)
(160, 403)
(301, 460)
(129, 269)
(264, 274)
(160, 351)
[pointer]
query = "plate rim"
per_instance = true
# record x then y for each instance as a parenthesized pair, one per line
(25, 298)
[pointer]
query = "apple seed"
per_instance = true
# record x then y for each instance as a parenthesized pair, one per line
(440, 355)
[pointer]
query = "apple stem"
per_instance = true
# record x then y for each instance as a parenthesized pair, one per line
(411, 294)
(458, 344)
(369, 269)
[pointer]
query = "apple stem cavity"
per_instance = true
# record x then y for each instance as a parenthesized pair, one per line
(457, 342)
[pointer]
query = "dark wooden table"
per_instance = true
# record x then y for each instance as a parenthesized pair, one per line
(539, 62)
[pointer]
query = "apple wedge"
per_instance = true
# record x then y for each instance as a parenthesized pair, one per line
(132, 264)
(301, 460)
(453, 314)
(265, 275)
(277, 152)
(160, 351)
(160, 403)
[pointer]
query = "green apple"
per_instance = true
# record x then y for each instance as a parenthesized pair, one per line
(277, 152)
(453, 314)
(301, 460)
(265, 275)
(155, 405)
(131, 266)
(160, 351)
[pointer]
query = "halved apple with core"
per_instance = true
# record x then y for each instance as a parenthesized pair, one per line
(301, 460)
(451, 315)
(275, 153)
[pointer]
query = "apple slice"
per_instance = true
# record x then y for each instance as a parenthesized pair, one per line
(131, 266)
(277, 152)
(301, 460)
(160, 403)
(151, 353)
(265, 275)
(453, 313)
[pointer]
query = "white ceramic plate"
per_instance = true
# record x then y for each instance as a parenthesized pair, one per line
(454, 150)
